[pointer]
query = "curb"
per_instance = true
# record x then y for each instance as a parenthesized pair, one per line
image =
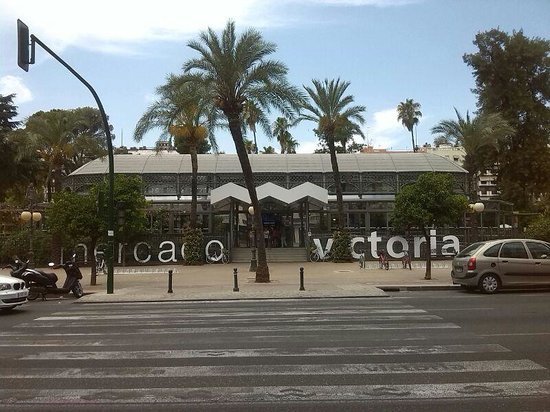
(417, 287)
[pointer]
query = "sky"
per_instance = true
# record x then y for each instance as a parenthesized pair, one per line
(389, 51)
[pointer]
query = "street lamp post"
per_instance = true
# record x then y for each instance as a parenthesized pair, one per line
(476, 208)
(253, 261)
(31, 216)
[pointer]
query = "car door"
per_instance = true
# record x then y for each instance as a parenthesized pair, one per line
(540, 253)
(514, 263)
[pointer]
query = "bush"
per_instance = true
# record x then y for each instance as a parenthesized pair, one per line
(341, 246)
(18, 244)
(539, 228)
(193, 240)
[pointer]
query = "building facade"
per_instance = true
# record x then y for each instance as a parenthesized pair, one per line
(296, 192)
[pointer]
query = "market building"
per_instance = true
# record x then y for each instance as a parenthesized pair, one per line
(296, 192)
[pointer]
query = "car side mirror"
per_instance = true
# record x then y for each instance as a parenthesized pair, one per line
(544, 256)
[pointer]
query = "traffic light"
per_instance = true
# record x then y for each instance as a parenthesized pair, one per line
(22, 45)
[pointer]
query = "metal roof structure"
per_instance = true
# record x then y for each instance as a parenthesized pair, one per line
(174, 163)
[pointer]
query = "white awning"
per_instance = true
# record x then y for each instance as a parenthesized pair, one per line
(313, 193)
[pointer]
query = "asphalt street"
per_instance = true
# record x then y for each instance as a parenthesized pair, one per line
(408, 351)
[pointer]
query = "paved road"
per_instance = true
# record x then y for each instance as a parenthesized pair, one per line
(410, 351)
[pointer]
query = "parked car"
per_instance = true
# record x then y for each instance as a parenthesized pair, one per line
(13, 292)
(490, 265)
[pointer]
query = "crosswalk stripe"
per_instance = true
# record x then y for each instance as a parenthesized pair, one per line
(275, 394)
(271, 370)
(253, 329)
(270, 352)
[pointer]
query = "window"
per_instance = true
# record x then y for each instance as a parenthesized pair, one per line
(514, 250)
(493, 250)
(538, 250)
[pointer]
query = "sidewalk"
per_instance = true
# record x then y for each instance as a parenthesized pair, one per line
(217, 281)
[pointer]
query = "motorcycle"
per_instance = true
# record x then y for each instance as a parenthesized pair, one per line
(41, 283)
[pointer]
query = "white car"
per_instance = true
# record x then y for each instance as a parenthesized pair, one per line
(13, 292)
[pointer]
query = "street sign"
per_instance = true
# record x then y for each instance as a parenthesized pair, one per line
(23, 45)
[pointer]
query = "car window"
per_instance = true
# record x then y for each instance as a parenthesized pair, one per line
(538, 250)
(514, 250)
(470, 250)
(493, 250)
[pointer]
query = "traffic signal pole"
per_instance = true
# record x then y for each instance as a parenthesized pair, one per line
(22, 42)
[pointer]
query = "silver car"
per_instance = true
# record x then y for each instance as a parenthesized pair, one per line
(13, 292)
(497, 263)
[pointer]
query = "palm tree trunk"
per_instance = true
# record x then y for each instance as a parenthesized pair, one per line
(262, 271)
(412, 137)
(194, 171)
(255, 142)
(337, 183)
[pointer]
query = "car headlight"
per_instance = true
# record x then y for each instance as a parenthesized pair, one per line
(5, 286)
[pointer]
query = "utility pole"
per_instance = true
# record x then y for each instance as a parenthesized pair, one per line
(24, 61)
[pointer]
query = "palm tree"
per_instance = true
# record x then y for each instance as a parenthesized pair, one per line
(280, 131)
(290, 144)
(479, 136)
(330, 109)
(236, 70)
(50, 136)
(185, 112)
(269, 150)
(408, 112)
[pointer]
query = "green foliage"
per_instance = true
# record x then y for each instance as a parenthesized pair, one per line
(539, 228)
(193, 240)
(429, 201)
(18, 244)
(74, 218)
(512, 74)
(130, 205)
(341, 246)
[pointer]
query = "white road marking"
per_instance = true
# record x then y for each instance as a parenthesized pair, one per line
(272, 370)
(270, 352)
(275, 394)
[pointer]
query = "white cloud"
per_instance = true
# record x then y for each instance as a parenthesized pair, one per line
(115, 25)
(14, 85)
(120, 26)
(307, 146)
(385, 130)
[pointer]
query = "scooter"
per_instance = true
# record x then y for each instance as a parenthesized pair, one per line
(41, 283)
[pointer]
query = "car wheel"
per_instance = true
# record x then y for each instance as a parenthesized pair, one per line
(489, 283)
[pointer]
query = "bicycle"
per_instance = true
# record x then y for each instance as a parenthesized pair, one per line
(314, 256)
(222, 257)
(406, 260)
(383, 262)
(100, 266)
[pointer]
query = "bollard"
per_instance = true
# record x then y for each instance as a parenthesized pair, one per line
(302, 279)
(170, 281)
(235, 281)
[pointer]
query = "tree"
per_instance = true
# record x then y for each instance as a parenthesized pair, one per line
(479, 136)
(268, 150)
(63, 140)
(408, 112)
(8, 111)
(512, 77)
(76, 217)
(430, 201)
(185, 111)
(253, 115)
(539, 228)
(330, 109)
(236, 70)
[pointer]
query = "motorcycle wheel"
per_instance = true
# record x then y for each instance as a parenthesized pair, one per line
(32, 295)
(77, 290)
